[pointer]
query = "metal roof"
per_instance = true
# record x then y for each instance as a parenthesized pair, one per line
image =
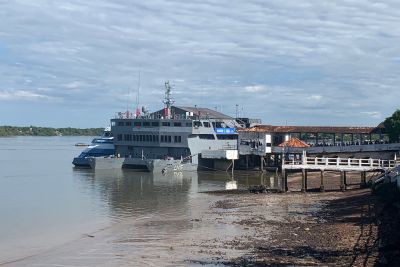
(205, 112)
(310, 129)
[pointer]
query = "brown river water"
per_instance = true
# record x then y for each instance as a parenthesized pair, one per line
(53, 214)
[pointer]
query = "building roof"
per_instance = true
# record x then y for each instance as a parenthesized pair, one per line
(310, 129)
(205, 112)
(294, 142)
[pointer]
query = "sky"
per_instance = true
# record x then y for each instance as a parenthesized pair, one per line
(289, 62)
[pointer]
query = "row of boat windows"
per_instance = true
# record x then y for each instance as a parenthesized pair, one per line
(196, 124)
(169, 138)
(154, 124)
(149, 138)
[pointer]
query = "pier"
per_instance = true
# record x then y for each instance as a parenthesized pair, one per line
(342, 165)
(264, 146)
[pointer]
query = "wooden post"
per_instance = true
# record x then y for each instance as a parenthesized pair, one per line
(363, 179)
(345, 179)
(322, 188)
(261, 164)
(286, 182)
(306, 180)
(342, 184)
(303, 180)
(247, 162)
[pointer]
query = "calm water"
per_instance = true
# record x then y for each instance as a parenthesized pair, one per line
(45, 201)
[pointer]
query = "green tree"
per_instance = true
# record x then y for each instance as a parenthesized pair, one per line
(392, 126)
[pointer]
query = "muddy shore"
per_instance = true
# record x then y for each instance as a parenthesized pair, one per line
(333, 228)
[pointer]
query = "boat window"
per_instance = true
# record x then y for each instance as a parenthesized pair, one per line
(169, 139)
(206, 124)
(197, 124)
(113, 123)
(134, 138)
(189, 124)
(213, 124)
(119, 137)
(155, 123)
(120, 123)
(193, 135)
(227, 136)
(128, 123)
(177, 139)
(166, 123)
(177, 124)
(137, 123)
(146, 123)
(207, 136)
(162, 138)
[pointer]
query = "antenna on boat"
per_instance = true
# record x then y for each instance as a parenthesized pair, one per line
(138, 97)
(168, 101)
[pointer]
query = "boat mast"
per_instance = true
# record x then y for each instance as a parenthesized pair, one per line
(168, 101)
(138, 97)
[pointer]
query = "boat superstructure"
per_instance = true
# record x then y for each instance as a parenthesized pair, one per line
(100, 147)
(173, 137)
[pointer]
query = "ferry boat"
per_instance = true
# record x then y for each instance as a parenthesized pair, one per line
(99, 147)
(172, 138)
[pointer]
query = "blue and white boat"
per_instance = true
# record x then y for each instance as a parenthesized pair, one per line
(100, 147)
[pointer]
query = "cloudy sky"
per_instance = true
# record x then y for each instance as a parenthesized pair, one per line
(300, 62)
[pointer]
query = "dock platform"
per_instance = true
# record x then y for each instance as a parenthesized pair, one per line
(342, 165)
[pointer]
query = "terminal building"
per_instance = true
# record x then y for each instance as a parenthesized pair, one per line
(264, 145)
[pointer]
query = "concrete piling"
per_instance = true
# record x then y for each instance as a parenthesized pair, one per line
(303, 180)
(285, 180)
(363, 179)
(322, 187)
(342, 183)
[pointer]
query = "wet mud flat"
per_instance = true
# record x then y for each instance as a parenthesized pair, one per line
(334, 228)
(238, 228)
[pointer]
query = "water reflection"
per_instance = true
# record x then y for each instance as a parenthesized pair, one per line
(126, 193)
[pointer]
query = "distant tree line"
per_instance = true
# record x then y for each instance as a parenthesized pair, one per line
(47, 131)
(392, 126)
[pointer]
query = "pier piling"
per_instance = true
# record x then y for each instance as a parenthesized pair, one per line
(285, 181)
(303, 180)
(322, 187)
(342, 183)
(363, 179)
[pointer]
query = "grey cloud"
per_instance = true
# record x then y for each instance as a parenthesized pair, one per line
(344, 51)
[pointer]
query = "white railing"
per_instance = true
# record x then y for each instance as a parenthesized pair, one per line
(348, 162)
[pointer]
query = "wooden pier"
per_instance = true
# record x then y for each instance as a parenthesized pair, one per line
(342, 165)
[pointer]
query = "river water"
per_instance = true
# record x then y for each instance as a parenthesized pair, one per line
(45, 202)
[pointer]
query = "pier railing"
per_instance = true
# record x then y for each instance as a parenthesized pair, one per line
(338, 163)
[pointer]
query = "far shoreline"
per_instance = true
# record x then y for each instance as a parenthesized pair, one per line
(14, 131)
